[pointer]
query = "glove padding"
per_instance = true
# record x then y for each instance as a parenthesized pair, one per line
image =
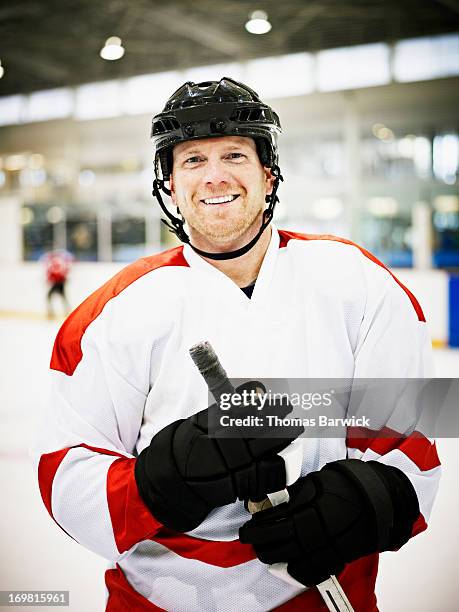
(187, 470)
(347, 510)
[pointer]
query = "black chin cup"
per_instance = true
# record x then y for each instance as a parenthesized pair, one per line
(176, 225)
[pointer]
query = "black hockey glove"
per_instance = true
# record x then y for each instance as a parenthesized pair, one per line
(347, 510)
(187, 471)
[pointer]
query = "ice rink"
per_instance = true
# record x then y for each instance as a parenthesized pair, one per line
(37, 555)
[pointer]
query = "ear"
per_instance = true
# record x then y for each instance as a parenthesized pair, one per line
(269, 180)
(172, 190)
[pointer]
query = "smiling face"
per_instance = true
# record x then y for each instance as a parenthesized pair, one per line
(219, 185)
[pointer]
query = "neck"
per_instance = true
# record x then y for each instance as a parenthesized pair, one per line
(244, 270)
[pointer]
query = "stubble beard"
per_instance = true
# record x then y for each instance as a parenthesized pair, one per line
(224, 231)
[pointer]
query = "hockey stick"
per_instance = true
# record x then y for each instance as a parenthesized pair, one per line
(217, 381)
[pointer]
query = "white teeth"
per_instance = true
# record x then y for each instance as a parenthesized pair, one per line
(220, 200)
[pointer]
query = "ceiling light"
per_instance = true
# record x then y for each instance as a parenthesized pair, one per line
(113, 49)
(55, 214)
(386, 134)
(376, 127)
(258, 23)
(13, 163)
(382, 132)
(2, 70)
(27, 215)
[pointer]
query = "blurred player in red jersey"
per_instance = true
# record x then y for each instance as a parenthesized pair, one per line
(58, 265)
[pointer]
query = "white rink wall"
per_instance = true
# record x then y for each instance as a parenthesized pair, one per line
(23, 290)
(431, 290)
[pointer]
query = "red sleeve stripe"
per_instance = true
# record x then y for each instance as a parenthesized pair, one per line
(122, 596)
(285, 237)
(419, 526)
(67, 346)
(48, 466)
(416, 446)
(132, 521)
(47, 469)
(219, 554)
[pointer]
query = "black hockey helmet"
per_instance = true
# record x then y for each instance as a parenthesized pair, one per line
(214, 109)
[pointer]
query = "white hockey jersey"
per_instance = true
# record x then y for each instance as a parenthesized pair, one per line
(322, 307)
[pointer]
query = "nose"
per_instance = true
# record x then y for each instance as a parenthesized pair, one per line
(216, 173)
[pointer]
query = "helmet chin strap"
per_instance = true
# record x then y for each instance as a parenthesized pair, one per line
(176, 225)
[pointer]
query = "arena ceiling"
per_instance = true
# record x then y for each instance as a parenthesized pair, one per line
(53, 43)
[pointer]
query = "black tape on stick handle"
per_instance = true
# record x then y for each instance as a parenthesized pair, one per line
(211, 369)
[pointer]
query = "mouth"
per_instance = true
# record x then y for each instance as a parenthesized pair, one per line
(226, 199)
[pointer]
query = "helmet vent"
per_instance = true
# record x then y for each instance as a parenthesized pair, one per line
(251, 114)
(167, 124)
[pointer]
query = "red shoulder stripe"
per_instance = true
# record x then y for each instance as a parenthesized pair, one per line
(67, 346)
(285, 237)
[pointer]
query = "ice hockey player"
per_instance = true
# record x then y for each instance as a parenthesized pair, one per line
(58, 264)
(126, 465)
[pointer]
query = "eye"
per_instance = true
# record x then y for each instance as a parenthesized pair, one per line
(235, 155)
(193, 160)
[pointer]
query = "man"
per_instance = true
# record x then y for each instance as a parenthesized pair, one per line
(58, 265)
(127, 465)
